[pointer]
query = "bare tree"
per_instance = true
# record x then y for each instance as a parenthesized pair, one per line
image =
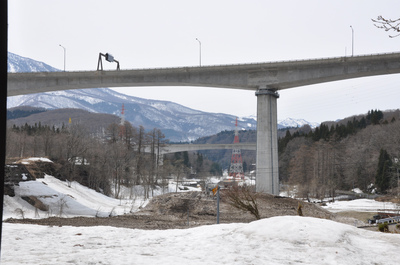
(13, 143)
(113, 133)
(77, 146)
(243, 198)
(302, 170)
(98, 177)
(119, 161)
(47, 139)
(140, 145)
(388, 25)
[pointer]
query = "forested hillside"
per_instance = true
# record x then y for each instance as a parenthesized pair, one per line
(118, 155)
(21, 112)
(340, 156)
(93, 122)
(354, 152)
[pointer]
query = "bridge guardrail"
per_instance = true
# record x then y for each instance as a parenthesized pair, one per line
(226, 65)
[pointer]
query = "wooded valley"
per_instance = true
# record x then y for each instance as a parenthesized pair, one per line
(352, 153)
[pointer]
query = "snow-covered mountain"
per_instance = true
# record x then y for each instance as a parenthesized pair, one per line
(177, 122)
(290, 122)
(19, 64)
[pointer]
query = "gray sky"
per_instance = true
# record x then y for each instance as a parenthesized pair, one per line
(159, 33)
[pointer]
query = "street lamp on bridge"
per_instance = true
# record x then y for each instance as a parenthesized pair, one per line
(65, 51)
(199, 48)
(352, 41)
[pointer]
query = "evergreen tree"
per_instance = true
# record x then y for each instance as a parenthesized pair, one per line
(282, 142)
(244, 166)
(382, 177)
(216, 169)
(186, 159)
(374, 116)
(199, 162)
(363, 123)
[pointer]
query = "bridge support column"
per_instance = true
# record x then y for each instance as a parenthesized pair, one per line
(267, 171)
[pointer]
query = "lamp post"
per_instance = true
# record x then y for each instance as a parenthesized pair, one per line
(65, 51)
(199, 48)
(398, 192)
(352, 41)
(396, 160)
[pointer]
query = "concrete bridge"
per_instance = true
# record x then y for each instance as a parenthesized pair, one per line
(264, 78)
(173, 148)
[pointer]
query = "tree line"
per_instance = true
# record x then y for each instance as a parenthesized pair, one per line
(119, 156)
(357, 153)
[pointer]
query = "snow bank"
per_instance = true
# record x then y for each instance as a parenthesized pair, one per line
(35, 159)
(66, 200)
(277, 240)
(361, 205)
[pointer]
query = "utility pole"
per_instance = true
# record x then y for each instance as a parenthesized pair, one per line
(218, 204)
(398, 192)
(216, 191)
(396, 161)
(199, 49)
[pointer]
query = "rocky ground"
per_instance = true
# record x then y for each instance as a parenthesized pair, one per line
(190, 209)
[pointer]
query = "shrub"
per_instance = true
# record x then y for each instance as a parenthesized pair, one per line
(243, 198)
(299, 210)
(383, 227)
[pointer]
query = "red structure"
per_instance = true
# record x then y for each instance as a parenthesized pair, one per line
(123, 114)
(122, 124)
(236, 168)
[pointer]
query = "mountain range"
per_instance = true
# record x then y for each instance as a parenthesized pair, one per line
(177, 122)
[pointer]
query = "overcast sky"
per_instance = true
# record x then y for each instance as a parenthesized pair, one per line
(159, 33)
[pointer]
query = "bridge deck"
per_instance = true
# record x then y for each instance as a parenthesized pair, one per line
(253, 76)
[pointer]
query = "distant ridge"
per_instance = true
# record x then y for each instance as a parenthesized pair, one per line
(19, 64)
(290, 122)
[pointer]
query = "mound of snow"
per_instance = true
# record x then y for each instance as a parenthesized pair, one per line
(64, 199)
(361, 205)
(357, 190)
(277, 240)
(28, 161)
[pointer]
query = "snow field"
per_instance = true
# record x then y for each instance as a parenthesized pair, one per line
(277, 240)
(360, 205)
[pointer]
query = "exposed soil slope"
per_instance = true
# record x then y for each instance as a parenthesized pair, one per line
(189, 209)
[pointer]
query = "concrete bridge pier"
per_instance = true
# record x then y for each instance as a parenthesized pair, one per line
(267, 171)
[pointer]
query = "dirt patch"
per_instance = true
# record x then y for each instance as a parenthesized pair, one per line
(362, 216)
(35, 202)
(388, 198)
(189, 209)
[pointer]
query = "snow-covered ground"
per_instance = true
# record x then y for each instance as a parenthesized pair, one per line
(70, 199)
(64, 199)
(277, 240)
(361, 205)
